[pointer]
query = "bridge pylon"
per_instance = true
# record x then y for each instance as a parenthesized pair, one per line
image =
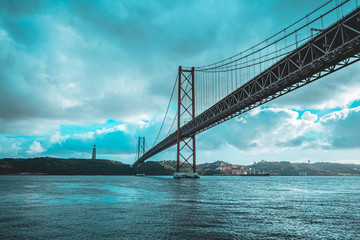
(140, 168)
(186, 148)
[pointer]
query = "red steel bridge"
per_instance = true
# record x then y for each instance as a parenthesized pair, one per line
(322, 42)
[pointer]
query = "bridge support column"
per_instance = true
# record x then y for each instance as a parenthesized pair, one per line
(140, 170)
(186, 147)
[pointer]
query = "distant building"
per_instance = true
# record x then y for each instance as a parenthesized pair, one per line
(218, 169)
(94, 153)
(236, 171)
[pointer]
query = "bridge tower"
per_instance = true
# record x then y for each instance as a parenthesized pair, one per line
(140, 170)
(186, 148)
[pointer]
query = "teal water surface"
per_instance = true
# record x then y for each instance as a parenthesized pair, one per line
(128, 207)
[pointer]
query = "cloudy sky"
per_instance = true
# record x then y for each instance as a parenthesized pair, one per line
(78, 73)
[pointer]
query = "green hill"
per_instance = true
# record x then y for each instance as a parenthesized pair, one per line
(72, 166)
(59, 166)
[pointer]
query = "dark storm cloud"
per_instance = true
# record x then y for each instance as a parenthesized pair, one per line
(17, 8)
(69, 61)
(301, 141)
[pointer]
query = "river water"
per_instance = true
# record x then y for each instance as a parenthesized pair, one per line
(128, 207)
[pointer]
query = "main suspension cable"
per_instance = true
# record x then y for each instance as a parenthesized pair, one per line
(167, 110)
(221, 63)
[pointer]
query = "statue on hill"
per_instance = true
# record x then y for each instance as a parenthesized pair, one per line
(94, 153)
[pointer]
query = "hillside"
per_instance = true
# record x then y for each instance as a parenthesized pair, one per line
(315, 169)
(59, 166)
(169, 167)
(274, 168)
(72, 166)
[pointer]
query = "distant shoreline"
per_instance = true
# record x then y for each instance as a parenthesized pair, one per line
(59, 166)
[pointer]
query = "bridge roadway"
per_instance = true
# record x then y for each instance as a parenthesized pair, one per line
(330, 50)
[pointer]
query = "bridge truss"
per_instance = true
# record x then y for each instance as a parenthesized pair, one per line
(330, 50)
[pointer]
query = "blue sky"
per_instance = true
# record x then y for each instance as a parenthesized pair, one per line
(78, 73)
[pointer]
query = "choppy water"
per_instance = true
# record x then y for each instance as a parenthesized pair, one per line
(127, 207)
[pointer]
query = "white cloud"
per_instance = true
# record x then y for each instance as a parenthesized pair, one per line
(121, 127)
(15, 148)
(277, 134)
(342, 128)
(83, 136)
(35, 148)
(143, 124)
(58, 138)
(339, 115)
(265, 130)
(338, 90)
(90, 135)
(309, 117)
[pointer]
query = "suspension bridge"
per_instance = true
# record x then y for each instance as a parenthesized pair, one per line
(322, 42)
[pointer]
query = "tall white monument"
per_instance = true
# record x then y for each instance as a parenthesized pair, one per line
(94, 153)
